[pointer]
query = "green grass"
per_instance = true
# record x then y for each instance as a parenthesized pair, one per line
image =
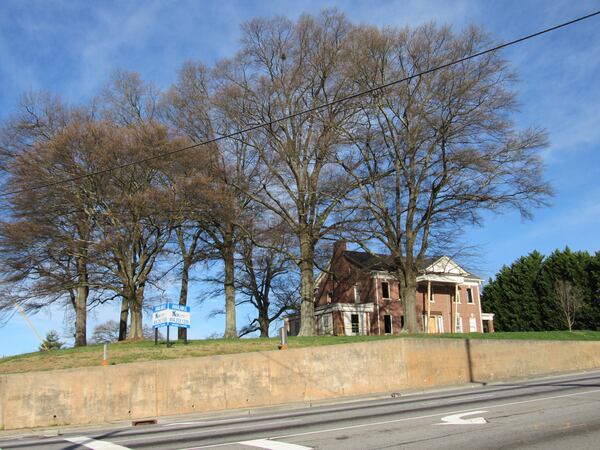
(126, 352)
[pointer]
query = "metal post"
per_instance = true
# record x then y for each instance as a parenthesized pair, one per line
(168, 344)
(105, 355)
(156, 336)
(283, 338)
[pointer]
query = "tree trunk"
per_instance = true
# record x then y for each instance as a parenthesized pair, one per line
(81, 303)
(135, 332)
(230, 321)
(263, 321)
(408, 291)
(123, 318)
(183, 294)
(307, 288)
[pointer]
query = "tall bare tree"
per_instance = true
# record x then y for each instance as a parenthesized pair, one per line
(284, 68)
(214, 202)
(46, 240)
(437, 150)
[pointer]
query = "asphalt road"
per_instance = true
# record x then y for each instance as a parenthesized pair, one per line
(548, 413)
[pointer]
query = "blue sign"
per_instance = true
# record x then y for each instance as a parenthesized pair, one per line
(175, 306)
(171, 314)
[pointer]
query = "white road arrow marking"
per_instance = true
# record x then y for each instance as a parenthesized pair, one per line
(94, 444)
(274, 445)
(457, 419)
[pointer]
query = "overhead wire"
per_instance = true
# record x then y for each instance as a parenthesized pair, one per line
(303, 112)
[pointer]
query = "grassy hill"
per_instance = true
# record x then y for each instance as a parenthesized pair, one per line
(126, 352)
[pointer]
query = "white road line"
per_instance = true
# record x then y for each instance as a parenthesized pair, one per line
(406, 419)
(274, 445)
(211, 430)
(208, 422)
(94, 444)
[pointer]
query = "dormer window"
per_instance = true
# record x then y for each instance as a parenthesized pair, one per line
(329, 297)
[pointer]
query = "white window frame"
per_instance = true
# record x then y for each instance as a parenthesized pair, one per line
(459, 324)
(470, 296)
(472, 324)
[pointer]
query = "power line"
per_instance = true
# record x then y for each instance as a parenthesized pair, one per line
(306, 111)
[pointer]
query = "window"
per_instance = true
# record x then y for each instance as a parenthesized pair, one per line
(472, 324)
(356, 294)
(329, 297)
(387, 324)
(470, 296)
(401, 322)
(432, 298)
(385, 289)
(459, 325)
(354, 322)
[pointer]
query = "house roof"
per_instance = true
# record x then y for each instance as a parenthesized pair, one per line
(384, 263)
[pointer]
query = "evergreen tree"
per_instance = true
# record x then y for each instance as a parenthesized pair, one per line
(523, 295)
(52, 342)
(513, 297)
(571, 267)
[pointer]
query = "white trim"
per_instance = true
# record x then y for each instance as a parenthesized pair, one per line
(480, 313)
(385, 276)
(353, 307)
(441, 278)
(487, 316)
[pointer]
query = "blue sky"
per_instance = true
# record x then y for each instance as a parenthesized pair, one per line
(71, 47)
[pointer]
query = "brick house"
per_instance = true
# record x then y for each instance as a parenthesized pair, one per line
(358, 294)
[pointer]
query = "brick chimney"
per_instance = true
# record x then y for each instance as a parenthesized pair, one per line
(338, 248)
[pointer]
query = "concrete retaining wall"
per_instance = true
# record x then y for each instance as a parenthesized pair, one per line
(152, 389)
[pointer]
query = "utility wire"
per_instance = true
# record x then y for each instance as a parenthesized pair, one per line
(306, 111)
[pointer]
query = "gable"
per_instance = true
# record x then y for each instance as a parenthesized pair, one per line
(447, 266)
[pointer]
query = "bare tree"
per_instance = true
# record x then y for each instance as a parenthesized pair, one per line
(438, 149)
(46, 241)
(569, 300)
(283, 69)
(133, 207)
(109, 332)
(266, 278)
(215, 205)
